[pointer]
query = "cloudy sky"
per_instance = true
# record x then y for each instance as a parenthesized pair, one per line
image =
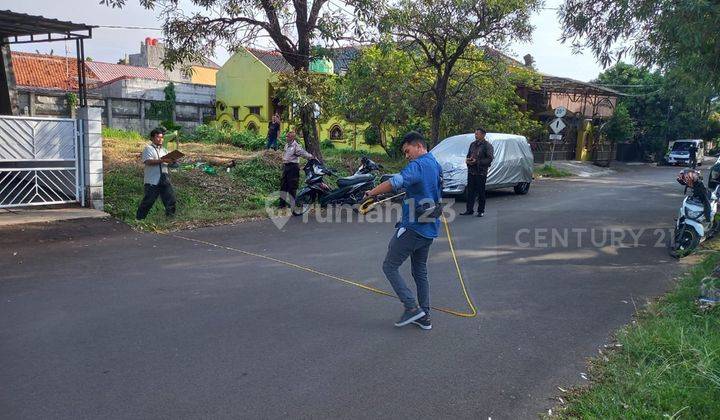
(109, 45)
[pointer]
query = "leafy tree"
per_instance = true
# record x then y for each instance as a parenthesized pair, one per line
(442, 30)
(620, 127)
(307, 90)
(378, 89)
(647, 102)
(661, 107)
(292, 26)
(489, 98)
(679, 36)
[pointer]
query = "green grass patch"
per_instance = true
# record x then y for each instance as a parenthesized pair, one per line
(202, 199)
(667, 365)
(549, 171)
(117, 133)
(205, 199)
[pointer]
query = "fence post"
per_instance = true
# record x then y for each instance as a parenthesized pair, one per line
(91, 121)
(142, 116)
(31, 104)
(108, 111)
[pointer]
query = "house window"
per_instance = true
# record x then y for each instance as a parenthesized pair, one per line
(252, 127)
(236, 112)
(336, 132)
(254, 110)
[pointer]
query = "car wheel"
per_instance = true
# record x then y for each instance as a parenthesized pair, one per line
(522, 188)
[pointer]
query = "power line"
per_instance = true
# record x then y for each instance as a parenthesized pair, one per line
(127, 27)
(628, 86)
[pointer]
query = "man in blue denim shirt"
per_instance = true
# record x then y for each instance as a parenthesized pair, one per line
(422, 181)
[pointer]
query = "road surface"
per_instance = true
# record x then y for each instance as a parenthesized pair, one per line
(99, 321)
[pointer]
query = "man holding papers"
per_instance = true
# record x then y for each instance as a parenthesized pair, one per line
(157, 180)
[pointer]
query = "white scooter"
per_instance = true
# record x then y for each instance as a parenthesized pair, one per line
(692, 227)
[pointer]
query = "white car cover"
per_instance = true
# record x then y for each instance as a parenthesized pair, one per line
(513, 161)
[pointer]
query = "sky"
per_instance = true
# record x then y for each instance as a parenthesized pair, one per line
(109, 45)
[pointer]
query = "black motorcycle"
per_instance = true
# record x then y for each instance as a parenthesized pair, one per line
(350, 190)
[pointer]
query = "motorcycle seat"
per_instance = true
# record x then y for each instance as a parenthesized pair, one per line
(354, 179)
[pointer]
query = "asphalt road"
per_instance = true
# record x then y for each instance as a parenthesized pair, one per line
(99, 321)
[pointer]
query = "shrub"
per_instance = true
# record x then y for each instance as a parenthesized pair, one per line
(209, 134)
(372, 135)
(169, 125)
(247, 139)
(117, 133)
(327, 144)
(223, 135)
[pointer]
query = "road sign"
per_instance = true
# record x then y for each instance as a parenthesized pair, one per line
(556, 137)
(560, 111)
(557, 125)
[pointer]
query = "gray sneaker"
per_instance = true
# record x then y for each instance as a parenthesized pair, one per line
(409, 316)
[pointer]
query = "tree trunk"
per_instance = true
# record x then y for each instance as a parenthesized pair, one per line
(309, 130)
(440, 91)
(382, 137)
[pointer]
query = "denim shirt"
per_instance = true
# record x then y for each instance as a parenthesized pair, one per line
(422, 181)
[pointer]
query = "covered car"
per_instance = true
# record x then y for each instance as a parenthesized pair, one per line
(511, 167)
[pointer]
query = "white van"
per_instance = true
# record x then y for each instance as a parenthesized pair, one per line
(679, 151)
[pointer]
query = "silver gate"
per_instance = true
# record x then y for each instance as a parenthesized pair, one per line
(39, 161)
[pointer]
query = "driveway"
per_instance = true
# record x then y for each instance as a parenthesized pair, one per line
(99, 321)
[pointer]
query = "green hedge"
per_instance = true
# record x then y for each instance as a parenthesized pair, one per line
(218, 135)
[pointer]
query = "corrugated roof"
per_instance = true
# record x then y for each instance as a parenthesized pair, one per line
(341, 58)
(21, 24)
(273, 59)
(47, 71)
(567, 85)
(209, 64)
(107, 72)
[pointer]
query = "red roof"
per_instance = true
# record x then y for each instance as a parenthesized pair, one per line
(60, 73)
(107, 72)
(47, 71)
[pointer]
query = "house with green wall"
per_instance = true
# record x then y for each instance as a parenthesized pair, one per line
(246, 99)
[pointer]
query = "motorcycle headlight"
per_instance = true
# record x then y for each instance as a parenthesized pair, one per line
(694, 214)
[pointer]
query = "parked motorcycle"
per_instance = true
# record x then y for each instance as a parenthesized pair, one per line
(350, 190)
(692, 226)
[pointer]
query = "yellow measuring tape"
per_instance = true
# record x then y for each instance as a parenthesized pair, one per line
(472, 313)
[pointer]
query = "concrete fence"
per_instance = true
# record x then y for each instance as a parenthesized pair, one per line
(123, 113)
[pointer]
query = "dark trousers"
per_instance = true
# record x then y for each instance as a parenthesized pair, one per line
(476, 191)
(271, 143)
(289, 181)
(163, 189)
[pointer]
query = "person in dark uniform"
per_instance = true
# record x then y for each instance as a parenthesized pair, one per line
(291, 167)
(692, 161)
(273, 130)
(479, 157)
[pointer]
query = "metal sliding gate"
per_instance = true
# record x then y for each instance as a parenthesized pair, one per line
(40, 161)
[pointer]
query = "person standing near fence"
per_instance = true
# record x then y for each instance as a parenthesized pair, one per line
(273, 131)
(156, 179)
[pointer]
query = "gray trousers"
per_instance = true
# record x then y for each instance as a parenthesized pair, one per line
(417, 247)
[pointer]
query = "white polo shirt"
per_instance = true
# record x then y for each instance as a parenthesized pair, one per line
(152, 172)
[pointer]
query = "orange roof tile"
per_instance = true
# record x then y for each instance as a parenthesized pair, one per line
(47, 71)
